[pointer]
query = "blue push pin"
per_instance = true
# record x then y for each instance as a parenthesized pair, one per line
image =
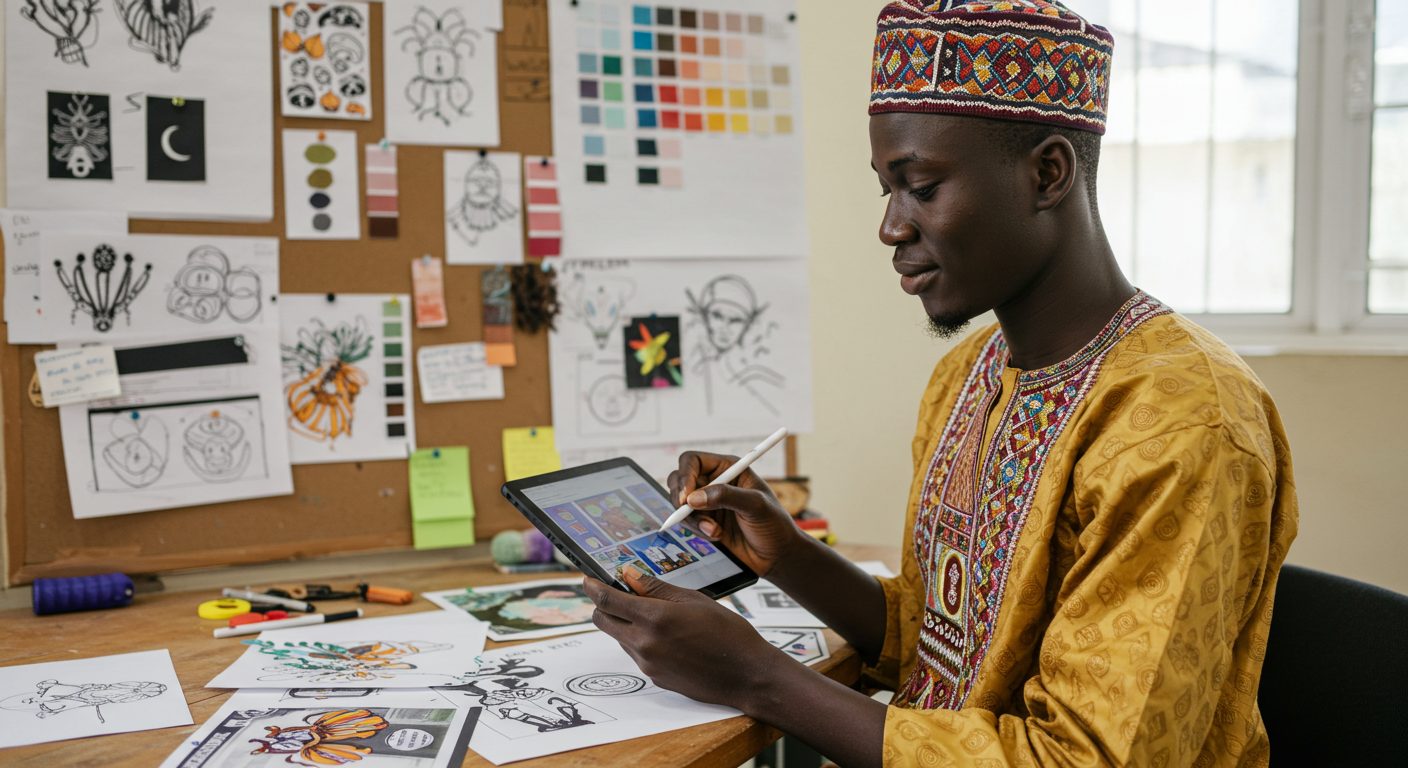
(435, 453)
(533, 432)
(135, 416)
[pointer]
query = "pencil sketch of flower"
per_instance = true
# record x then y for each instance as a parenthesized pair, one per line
(72, 23)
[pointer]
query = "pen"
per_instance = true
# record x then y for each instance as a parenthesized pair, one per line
(297, 621)
(731, 473)
(257, 597)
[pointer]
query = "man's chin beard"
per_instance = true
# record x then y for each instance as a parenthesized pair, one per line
(947, 326)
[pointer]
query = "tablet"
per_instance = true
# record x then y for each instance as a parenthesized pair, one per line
(607, 515)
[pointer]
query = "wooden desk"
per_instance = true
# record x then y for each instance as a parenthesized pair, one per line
(169, 621)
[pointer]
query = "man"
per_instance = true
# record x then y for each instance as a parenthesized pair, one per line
(1102, 494)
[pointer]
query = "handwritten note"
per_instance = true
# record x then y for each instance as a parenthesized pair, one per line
(68, 376)
(450, 372)
(442, 504)
(530, 451)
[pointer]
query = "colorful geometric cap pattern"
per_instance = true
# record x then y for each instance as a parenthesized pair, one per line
(1028, 60)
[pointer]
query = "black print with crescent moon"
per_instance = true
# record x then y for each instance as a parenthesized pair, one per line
(175, 139)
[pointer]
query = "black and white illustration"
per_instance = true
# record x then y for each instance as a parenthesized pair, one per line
(484, 217)
(806, 645)
(206, 289)
(744, 339)
(103, 286)
(156, 109)
(80, 136)
(441, 67)
(325, 60)
(141, 286)
(162, 28)
(194, 425)
(556, 695)
(89, 697)
(175, 139)
(73, 24)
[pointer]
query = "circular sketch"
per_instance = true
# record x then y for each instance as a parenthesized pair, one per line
(605, 684)
(611, 402)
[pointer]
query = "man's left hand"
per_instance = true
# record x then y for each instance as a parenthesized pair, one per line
(683, 640)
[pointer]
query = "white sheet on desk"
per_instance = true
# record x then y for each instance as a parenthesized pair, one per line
(90, 697)
(588, 675)
(768, 606)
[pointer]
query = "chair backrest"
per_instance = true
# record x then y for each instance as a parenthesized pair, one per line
(1336, 672)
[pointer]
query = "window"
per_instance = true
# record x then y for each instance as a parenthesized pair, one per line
(1249, 173)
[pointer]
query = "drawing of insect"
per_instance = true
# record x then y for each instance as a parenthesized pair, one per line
(321, 399)
(80, 136)
(69, 22)
(442, 45)
(162, 27)
(102, 299)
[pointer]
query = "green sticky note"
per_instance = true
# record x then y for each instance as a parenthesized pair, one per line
(442, 503)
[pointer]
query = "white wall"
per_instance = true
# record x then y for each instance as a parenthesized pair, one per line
(1345, 416)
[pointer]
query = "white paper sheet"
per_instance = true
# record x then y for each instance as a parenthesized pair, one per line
(450, 372)
(171, 286)
(166, 131)
(347, 365)
(441, 64)
(24, 260)
(701, 154)
(321, 189)
(325, 60)
(806, 645)
(199, 421)
(523, 610)
(60, 700)
(660, 460)
(68, 376)
(569, 693)
(414, 650)
(765, 605)
(745, 342)
(483, 208)
(387, 729)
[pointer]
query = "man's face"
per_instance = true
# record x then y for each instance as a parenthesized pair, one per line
(958, 214)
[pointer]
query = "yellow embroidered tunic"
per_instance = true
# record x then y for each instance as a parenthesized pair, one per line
(1090, 557)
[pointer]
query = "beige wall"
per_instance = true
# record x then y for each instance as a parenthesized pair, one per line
(1345, 415)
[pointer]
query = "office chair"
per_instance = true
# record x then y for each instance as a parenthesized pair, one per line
(1335, 679)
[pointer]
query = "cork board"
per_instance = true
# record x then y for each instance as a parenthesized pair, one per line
(335, 507)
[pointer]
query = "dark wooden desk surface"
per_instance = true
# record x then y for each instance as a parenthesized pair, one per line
(169, 621)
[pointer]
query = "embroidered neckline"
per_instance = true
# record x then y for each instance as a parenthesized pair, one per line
(1137, 308)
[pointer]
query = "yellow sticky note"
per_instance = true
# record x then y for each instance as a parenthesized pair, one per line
(442, 503)
(530, 451)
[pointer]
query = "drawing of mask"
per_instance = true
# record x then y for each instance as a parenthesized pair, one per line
(301, 18)
(215, 448)
(321, 76)
(139, 449)
(353, 86)
(302, 96)
(341, 16)
(344, 51)
(200, 286)
(299, 67)
(482, 185)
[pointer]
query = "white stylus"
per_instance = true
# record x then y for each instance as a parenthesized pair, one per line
(730, 474)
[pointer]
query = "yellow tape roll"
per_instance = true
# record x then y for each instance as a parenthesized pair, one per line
(219, 610)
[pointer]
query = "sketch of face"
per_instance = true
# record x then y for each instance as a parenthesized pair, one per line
(602, 312)
(438, 64)
(482, 185)
(726, 323)
(728, 308)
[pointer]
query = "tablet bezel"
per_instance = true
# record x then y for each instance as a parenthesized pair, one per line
(513, 490)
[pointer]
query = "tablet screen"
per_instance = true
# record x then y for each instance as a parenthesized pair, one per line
(615, 516)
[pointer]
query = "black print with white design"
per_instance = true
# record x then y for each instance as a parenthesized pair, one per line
(80, 136)
(175, 139)
(162, 27)
(72, 23)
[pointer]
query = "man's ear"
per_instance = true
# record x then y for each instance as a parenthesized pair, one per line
(1056, 170)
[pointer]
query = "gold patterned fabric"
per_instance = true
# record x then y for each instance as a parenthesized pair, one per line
(1090, 557)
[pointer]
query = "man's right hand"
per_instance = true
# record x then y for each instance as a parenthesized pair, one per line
(744, 515)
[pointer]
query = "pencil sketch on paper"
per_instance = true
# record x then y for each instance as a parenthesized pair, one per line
(323, 380)
(217, 447)
(610, 402)
(206, 288)
(359, 661)
(52, 697)
(522, 709)
(72, 23)
(482, 207)
(100, 299)
(80, 139)
(597, 302)
(732, 349)
(162, 27)
(442, 46)
(137, 448)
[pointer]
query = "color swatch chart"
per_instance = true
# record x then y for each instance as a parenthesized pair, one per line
(651, 76)
(393, 332)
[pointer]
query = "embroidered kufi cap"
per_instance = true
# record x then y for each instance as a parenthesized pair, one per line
(1028, 60)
